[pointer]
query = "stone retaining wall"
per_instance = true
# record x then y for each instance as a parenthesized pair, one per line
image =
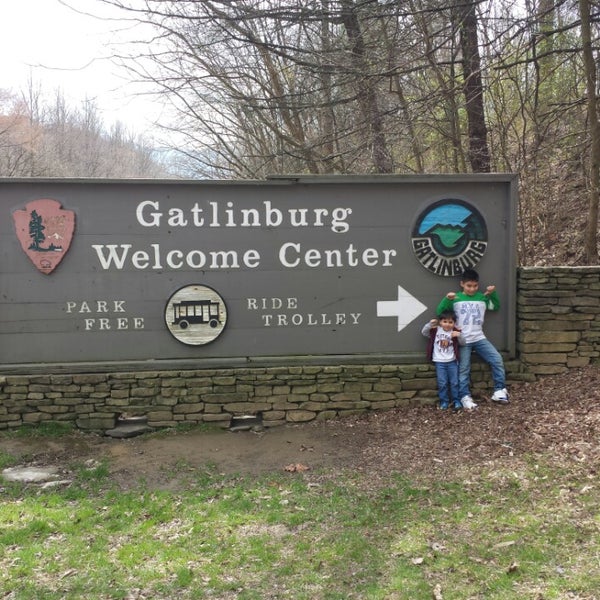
(558, 318)
(558, 324)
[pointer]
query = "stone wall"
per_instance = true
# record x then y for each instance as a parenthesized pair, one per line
(558, 318)
(558, 327)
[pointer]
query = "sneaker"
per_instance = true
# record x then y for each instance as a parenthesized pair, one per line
(467, 402)
(442, 407)
(500, 396)
(457, 408)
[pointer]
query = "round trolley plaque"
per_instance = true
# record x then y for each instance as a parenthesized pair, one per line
(196, 315)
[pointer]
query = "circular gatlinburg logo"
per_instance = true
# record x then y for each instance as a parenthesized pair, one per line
(195, 315)
(449, 237)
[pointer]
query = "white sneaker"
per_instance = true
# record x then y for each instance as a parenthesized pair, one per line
(467, 402)
(500, 396)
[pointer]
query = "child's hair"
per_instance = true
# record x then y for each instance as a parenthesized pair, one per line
(469, 275)
(447, 314)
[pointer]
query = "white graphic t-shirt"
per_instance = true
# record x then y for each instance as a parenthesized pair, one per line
(443, 348)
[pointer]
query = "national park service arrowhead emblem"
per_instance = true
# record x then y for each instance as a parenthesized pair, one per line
(45, 231)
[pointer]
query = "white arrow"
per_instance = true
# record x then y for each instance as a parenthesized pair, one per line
(407, 308)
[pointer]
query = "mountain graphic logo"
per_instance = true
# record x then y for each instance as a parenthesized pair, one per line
(449, 237)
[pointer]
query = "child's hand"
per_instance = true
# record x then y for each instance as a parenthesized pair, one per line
(489, 289)
(456, 334)
(433, 322)
(451, 295)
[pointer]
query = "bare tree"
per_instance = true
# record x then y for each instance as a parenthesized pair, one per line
(591, 232)
(466, 17)
(52, 139)
(290, 86)
(379, 86)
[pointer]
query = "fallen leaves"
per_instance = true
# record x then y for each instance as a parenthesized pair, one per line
(513, 567)
(296, 468)
(542, 416)
(503, 544)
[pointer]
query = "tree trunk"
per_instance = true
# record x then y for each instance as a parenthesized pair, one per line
(591, 231)
(367, 94)
(479, 154)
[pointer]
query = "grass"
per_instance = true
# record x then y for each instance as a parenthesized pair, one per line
(50, 429)
(527, 533)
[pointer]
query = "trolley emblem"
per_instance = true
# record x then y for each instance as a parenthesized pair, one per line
(195, 315)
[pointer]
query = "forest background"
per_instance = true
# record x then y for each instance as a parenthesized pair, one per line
(269, 87)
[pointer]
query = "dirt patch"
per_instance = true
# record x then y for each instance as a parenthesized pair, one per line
(557, 416)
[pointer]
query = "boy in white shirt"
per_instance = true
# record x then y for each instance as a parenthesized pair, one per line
(443, 350)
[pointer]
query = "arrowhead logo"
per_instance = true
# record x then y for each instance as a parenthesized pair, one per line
(45, 231)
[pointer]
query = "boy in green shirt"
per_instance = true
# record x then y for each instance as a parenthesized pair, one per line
(469, 306)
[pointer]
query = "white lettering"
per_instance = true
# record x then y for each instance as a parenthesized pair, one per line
(312, 258)
(197, 216)
(320, 212)
(270, 211)
(101, 306)
(251, 259)
(220, 260)
(195, 259)
(292, 255)
(298, 217)
(370, 257)
(339, 216)
(283, 255)
(120, 323)
(173, 264)
(386, 257)
(176, 218)
(309, 319)
(140, 259)
(139, 213)
(271, 303)
(149, 214)
(156, 249)
(112, 255)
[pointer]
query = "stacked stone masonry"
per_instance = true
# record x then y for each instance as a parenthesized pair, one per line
(558, 318)
(558, 324)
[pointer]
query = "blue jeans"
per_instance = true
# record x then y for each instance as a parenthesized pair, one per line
(490, 355)
(447, 381)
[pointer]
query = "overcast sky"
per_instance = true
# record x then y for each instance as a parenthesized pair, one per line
(47, 42)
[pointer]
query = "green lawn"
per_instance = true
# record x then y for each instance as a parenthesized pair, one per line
(531, 533)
